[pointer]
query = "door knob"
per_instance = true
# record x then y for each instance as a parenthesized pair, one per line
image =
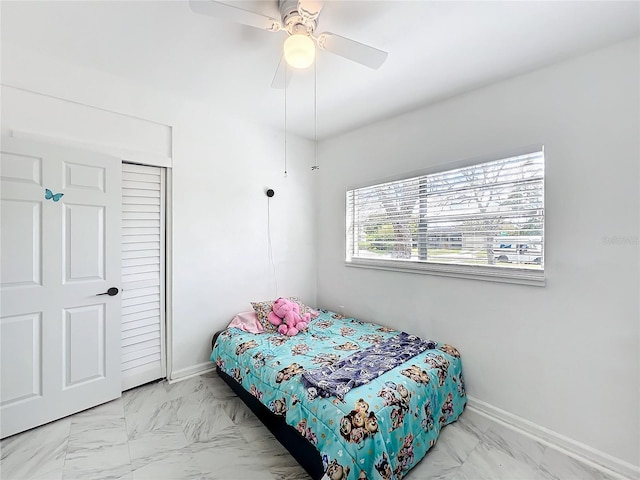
(111, 292)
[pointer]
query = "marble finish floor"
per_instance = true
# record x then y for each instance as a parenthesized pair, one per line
(199, 429)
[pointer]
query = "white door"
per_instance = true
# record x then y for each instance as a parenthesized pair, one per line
(60, 248)
(143, 275)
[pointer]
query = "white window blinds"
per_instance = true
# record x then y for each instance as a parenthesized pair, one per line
(488, 215)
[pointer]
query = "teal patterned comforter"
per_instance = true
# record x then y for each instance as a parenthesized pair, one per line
(379, 430)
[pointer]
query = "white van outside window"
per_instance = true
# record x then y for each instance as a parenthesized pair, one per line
(518, 249)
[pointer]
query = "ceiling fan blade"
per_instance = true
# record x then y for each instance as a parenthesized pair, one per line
(283, 75)
(352, 50)
(310, 9)
(213, 8)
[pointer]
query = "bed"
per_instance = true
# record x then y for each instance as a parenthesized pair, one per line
(351, 400)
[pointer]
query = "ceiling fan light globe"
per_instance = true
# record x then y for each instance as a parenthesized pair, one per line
(299, 51)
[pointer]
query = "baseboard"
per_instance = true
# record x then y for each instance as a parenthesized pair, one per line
(191, 371)
(579, 451)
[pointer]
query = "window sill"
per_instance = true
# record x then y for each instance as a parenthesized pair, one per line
(473, 272)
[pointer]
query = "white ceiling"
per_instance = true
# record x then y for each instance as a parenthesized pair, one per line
(436, 49)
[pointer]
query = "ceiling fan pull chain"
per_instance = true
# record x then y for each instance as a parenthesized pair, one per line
(285, 119)
(315, 116)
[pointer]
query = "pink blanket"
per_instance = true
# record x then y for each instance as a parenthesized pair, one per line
(247, 321)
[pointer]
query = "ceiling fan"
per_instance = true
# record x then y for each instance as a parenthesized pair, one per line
(299, 19)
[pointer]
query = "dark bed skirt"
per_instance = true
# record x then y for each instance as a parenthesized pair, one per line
(304, 452)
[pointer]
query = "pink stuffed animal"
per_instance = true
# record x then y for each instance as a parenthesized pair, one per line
(286, 316)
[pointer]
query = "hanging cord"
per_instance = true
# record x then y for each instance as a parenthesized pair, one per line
(270, 248)
(285, 117)
(315, 116)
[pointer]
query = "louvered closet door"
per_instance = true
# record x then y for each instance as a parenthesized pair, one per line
(143, 275)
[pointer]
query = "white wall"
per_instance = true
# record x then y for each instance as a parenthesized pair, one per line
(221, 167)
(564, 356)
(220, 227)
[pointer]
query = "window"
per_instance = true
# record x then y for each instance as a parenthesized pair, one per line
(482, 220)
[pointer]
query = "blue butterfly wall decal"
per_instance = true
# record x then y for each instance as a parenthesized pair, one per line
(49, 195)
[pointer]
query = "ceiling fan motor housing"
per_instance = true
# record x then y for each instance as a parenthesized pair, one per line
(294, 21)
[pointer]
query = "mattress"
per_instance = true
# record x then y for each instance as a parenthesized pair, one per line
(377, 430)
